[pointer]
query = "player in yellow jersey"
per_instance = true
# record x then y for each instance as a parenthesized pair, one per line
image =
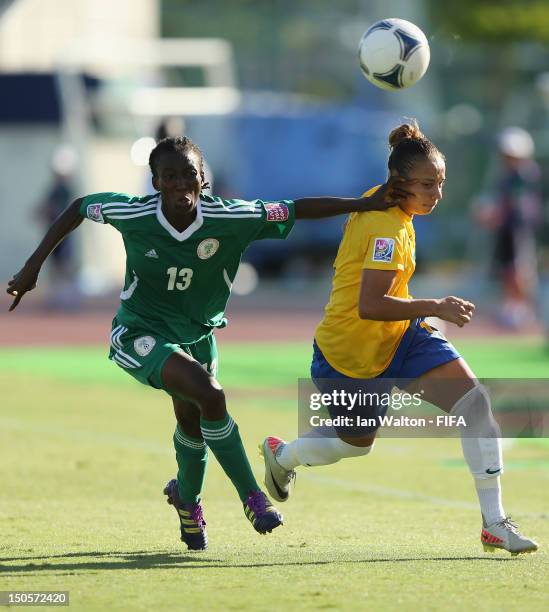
(374, 332)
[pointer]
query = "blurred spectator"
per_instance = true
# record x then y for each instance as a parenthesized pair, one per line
(513, 216)
(58, 195)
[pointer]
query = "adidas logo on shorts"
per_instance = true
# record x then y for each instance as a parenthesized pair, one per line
(152, 253)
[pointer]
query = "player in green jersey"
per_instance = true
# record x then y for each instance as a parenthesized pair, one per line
(183, 249)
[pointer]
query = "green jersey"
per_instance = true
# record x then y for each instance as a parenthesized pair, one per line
(178, 283)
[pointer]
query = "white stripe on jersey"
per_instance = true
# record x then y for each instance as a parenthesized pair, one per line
(240, 206)
(142, 214)
(227, 279)
(133, 209)
(127, 293)
(231, 211)
(222, 209)
(130, 205)
(233, 215)
(217, 201)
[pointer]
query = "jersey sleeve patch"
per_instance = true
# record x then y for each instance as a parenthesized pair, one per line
(384, 249)
(94, 213)
(277, 211)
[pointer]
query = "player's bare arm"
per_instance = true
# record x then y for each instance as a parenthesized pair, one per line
(392, 193)
(25, 279)
(376, 304)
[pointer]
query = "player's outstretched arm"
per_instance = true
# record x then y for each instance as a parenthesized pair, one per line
(25, 279)
(392, 193)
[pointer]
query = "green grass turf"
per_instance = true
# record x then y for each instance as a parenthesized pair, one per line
(250, 366)
(85, 452)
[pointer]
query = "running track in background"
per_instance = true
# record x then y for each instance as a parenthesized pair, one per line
(29, 326)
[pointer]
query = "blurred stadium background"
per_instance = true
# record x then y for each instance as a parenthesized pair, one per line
(272, 93)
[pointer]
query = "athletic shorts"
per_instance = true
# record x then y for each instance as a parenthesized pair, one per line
(421, 349)
(142, 353)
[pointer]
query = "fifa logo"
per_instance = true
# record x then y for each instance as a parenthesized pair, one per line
(383, 250)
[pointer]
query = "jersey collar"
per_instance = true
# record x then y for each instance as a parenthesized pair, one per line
(180, 236)
(403, 215)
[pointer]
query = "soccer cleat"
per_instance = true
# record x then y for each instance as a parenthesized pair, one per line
(505, 535)
(261, 513)
(192, 523)
(277, 478)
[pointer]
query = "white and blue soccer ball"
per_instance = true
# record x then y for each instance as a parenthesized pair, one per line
(394, 54)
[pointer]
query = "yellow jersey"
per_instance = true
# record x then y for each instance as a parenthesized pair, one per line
(376, 240)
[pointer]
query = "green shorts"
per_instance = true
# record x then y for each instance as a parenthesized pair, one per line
(142, 353)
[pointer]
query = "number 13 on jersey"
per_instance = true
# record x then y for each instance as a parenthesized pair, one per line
(184, 275)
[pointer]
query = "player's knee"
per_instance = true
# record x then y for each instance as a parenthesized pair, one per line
(476, 409)
(211, 397)
(476, 399)
(365, 441)
(360, 451)
(189, 425)
(480, 436)
(355, 446)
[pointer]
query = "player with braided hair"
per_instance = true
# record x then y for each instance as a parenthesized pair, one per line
(183, 250)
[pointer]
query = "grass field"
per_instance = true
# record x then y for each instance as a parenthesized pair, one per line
(86, 451)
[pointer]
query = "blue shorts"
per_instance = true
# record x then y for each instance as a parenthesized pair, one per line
(421, 349)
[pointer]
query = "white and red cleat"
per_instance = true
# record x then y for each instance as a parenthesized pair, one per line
(277, 478)
(506, 536)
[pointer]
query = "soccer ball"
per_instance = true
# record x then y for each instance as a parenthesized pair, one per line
(393, 54)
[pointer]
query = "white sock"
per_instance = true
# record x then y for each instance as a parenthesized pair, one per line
(489, 496)
(482, 454)
(315, 450)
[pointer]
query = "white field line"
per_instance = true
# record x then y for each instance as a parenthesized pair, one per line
(350, 485)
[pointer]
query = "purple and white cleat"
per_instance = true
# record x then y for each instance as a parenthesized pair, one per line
(191, 519)
(261, 513)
